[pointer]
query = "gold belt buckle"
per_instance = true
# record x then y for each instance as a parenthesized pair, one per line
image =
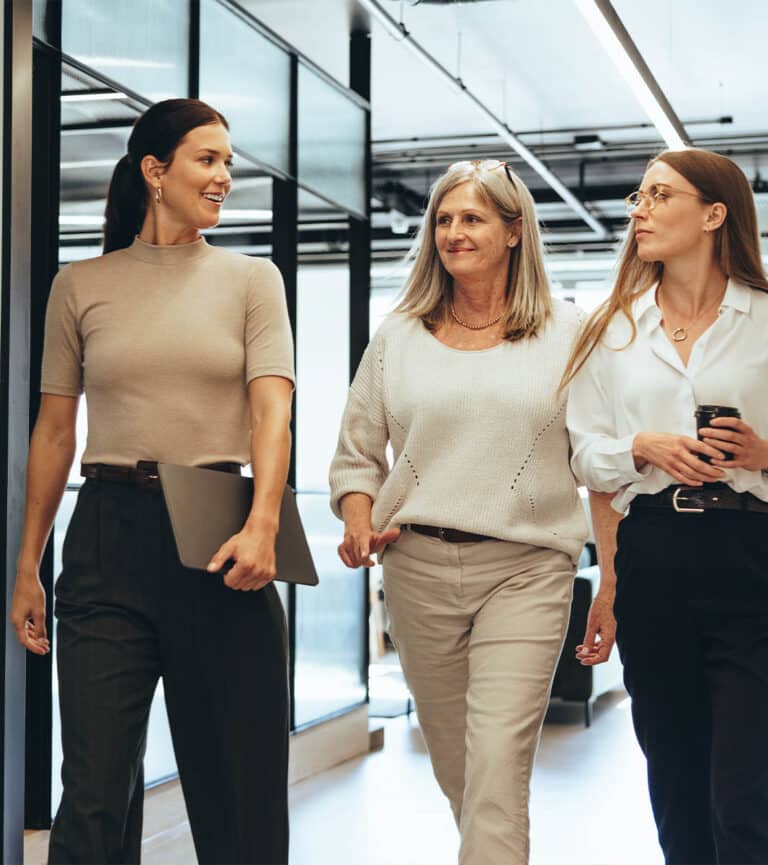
(681, 510)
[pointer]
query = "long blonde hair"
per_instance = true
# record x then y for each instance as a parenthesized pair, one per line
(737, 246)
(428, 290)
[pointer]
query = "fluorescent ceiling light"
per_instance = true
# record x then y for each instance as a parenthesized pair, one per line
(257, 215)
(75, 219)
(88, 163)
(581, 265)
(90, 220)
(92, 97)
(630, 73)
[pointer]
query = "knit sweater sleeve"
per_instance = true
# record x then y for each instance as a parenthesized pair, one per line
(360, 463)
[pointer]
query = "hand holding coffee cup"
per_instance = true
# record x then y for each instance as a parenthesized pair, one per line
(705, 414)
(741, 444)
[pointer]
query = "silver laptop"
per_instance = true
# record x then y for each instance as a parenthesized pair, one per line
(207, 507)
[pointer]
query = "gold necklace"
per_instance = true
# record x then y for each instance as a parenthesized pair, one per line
(680, 334)
(474, 326)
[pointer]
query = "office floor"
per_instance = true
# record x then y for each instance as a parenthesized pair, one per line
(588, 804)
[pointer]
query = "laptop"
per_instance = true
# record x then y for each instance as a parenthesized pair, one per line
(207, 507)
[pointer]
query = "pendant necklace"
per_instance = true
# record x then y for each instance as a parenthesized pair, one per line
(680, 334)
(474, 326)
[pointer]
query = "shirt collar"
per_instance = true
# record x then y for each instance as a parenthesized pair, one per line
(647, 313)
(737, 295)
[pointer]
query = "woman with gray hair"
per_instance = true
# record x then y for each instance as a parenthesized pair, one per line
(477, 520)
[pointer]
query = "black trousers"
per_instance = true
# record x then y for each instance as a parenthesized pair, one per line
(129, 613)
(692, 615)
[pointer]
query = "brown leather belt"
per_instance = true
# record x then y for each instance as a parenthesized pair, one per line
(453, 536)
(697, 500)
(144, 475)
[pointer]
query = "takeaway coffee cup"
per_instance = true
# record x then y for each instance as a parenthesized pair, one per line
(707, 413)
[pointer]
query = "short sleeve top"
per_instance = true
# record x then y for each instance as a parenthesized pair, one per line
(164, 340)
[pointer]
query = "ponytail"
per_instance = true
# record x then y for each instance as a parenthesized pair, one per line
(126, 205)
(158, 132)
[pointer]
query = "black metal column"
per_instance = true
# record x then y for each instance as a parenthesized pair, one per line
(360, 272)
(360, 229)
(46, 137)
(285, 255)
(16, 23)
(193, 85)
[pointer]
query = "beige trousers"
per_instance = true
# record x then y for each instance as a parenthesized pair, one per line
(479, 628)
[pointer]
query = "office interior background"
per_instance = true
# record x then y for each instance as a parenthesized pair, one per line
(342, 113)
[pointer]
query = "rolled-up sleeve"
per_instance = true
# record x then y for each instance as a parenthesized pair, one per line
(360, 463)
(601, 459)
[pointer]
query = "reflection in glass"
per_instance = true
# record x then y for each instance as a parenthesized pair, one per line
(142, 44)
(330, 622)
(331, 142)
(44, 15)
(247, 78)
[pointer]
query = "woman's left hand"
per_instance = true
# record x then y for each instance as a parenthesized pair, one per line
(738, 438)
(253, 554)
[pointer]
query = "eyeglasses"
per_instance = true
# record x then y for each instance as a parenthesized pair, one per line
(488, 165)
(655, 195)
(484, 165)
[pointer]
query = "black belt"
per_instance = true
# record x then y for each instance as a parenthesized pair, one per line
(144, 475)
(697, 500)
(453, 536)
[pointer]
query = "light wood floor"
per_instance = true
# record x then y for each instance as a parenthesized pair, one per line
(589, 804)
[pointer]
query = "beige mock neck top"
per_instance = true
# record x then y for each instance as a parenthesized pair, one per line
(163, 340)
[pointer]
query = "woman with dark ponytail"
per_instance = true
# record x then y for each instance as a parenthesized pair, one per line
(185, 354)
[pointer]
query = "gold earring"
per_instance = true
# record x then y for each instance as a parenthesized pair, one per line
(158, 194)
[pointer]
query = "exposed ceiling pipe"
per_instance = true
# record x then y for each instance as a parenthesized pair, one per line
(400, 32)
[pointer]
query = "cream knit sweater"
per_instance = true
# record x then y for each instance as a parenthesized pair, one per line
(478, 438)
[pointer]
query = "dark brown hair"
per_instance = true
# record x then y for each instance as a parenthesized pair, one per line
(158, 132)
(737, 245)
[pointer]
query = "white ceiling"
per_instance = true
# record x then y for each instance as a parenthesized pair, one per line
(709, 56)
(538, 66)
(535, 64)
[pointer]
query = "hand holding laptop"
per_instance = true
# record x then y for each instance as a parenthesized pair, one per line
(208, 512)
(251, 554)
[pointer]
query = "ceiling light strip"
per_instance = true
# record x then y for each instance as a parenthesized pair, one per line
(399, 32)
(618, 44)
(93, 96)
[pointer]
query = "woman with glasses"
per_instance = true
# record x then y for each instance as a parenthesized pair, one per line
(684, 326)
(478, 510)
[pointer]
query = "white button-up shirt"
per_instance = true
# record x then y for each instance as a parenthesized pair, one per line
(646, 387)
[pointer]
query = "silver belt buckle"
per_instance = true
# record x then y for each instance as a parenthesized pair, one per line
(441, 533)
(681, 510)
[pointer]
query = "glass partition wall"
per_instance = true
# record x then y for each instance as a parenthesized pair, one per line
(290, 122)
(330, 621)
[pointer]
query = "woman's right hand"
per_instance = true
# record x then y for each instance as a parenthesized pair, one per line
(600, 634)
(361, 542)
(677, 455)
(28, 612)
